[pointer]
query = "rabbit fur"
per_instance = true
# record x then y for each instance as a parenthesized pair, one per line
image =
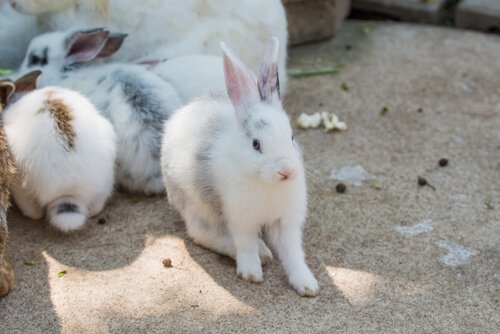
(231, 167)
(135, 100)
(7, 171)
(187, 27)
(65, 153)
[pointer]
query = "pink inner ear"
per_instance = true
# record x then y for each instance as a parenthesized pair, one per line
(240, 83)
(86, 46)
(113, 44)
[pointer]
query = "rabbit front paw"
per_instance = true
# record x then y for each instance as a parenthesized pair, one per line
(304, 283)
(250, 271)
(265, 254)
(6, 277)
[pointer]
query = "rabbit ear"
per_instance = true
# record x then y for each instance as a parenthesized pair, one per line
(269, 85)
(85, 45)
(113, 44)
(240, 83)
(27, 82)
(7, 88)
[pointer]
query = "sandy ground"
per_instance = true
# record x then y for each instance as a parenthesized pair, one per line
(391, 257)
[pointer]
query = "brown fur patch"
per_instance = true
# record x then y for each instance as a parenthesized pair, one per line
(63, 116)
(6, 277)
(7, 170)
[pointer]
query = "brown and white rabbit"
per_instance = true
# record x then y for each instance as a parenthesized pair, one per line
(64, 151)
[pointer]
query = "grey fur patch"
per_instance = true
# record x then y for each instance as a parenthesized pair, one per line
(149, 109)
(203, 178)
(67, 207)
(250, 124)
(260, 124)
(4, 232)
(101, 79)
(269, 83)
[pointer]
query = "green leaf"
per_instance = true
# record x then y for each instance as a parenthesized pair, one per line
(344, 87)
(488, 202)
(30, 263)
(4, 71)
(299, 73)
(384, 111)
(61, 273)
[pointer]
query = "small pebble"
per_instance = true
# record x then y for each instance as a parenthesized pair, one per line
(422, 181)
(340, 187)
(443, 162)
(167, 263)
(420, 110)
(101, 221)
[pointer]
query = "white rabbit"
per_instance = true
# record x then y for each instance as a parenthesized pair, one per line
(136, 101)
(16, 31)
(231, 166)
(192, 76)
(170, 28)
(7, 170)
(64, 150)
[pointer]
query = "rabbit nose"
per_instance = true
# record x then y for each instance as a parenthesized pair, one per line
(285, 173)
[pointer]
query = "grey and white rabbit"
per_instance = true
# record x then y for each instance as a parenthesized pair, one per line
(136, 101)
(231, 166)
(64, 151)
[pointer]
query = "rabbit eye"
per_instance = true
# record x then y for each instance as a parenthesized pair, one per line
(256, 145)
(37, 60)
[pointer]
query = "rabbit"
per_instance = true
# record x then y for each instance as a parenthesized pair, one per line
(7, 170)
(231, 166)
(64, 150)
(135, 100)
(187, 27)
(14, 45)
(192, 76)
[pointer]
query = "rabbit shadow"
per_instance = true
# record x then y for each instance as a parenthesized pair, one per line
(112, 240)
(31, 292)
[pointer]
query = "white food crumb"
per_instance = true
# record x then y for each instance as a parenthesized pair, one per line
(306, 121)
(329, 120)
(332, 122)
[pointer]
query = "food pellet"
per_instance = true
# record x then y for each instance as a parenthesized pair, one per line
(340, 188)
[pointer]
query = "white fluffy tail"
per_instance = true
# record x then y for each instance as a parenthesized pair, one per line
(66, 214)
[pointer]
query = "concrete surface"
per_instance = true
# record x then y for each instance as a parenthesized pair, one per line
(378, 271)
(478, 14)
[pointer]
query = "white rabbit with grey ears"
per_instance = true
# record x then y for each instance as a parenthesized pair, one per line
(231, 167)
(63, 149)
(136, 101)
